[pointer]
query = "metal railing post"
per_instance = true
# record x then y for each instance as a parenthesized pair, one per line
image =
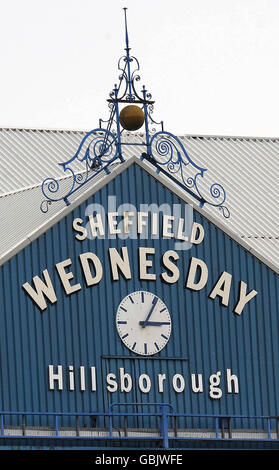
(175, 426)
(77, 425)
(268, 429)
(164, 427)
(56, 426)
(125, 425)
(2, 426)
(23, 425)
(217, 427)
(110, 424)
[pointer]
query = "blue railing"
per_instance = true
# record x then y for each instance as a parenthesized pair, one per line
(115, 425)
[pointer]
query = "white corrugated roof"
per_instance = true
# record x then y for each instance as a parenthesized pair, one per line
(28, 156)
(248, 169)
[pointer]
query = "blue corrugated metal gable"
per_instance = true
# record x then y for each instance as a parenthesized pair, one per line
(79, 329)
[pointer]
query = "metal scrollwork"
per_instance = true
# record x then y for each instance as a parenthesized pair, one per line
(97, 150)
(169, 155)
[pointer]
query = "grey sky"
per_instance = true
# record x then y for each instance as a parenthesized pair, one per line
(212, 66)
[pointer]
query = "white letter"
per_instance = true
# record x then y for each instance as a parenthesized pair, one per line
(111, 383)
(154, 225)
(170, 266)
(232, 378)
(84, 259)
(117, 262)
(82, 378)
(41, 288)
(93, 379)
(65, 277)
(197, 388)
(79, 228)
(195, 262)
(167, 226)
(179, 235)
(175, 379)
(147, 387)
(141, 222)
(98, 225)
(127, 222)
(112, 223)
(161, 378)
(222, 288)
(214, 391)
(243, 298)
(200, 238)
(124, 377)
(52, 377)
(71, 378)
(144, 264)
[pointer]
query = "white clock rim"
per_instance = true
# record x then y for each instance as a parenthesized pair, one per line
(140, 353)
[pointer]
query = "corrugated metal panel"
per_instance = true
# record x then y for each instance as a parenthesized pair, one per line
(29, 156)
(247, 168)
(80, 329)
(22, 215)
(268, 247)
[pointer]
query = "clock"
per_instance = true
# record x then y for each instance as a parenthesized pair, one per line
(143, 323)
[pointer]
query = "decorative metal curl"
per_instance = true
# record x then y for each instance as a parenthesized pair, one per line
(169, 155)
(97, 150)
(127, 79)
(173, 156)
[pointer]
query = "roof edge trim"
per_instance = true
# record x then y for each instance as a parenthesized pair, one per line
(181, 135)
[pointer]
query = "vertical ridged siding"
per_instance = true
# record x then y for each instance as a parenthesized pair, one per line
(80, 329)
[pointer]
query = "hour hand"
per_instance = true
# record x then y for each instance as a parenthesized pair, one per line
(154, 302)
(154, 323)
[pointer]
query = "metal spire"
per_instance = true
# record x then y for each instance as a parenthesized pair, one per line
(127, 49)
(103, 146)
(126, 29)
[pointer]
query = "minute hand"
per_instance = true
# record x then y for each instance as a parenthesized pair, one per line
(154, 302)
(154, 323)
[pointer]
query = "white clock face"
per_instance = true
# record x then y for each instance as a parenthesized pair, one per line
(143, 323)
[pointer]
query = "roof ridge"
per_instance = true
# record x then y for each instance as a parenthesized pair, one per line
(193, 136)
(39, 129)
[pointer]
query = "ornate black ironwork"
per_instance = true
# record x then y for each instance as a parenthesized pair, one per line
(103, 146)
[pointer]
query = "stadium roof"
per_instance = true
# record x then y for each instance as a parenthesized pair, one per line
(247, 167)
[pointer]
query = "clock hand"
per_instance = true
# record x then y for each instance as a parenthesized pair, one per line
(154, 323)
(154, 302)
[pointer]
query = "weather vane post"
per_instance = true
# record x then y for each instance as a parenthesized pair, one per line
(101, 147)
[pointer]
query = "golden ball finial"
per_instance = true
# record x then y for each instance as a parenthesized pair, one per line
(131, 117)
